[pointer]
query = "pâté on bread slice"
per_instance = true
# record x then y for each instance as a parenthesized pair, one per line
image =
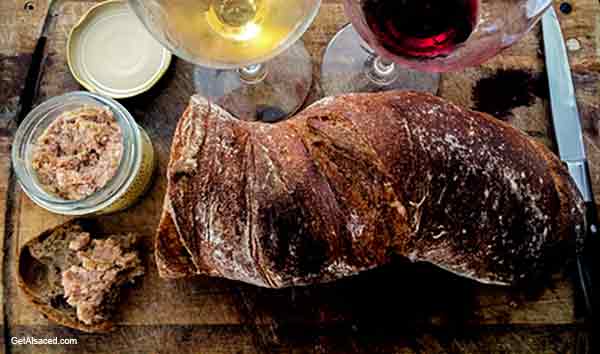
(74, 276)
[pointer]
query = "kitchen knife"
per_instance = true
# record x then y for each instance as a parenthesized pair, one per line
(33, 74)
(569, 138)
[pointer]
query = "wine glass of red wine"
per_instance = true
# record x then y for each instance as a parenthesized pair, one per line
(405, 44)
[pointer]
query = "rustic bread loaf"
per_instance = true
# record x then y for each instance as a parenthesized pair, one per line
(75, 277)
(353, 180)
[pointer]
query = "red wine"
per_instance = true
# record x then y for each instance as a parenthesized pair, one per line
(420, 28)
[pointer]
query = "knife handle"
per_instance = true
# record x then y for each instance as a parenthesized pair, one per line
(586, 236)
(32, 79)
(585, 256)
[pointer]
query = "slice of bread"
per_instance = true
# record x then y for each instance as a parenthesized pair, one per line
(74, 276)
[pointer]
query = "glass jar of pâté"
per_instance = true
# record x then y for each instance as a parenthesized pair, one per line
(82, 154)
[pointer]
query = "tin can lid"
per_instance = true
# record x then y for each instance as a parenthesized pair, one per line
(110, 52)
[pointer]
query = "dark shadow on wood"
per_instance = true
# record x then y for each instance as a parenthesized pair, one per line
(400, 294)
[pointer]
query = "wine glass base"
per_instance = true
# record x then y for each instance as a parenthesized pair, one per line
(276, 96)
(348, 62)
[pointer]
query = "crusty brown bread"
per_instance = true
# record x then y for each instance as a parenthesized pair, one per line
(353, 180)
(74, 277)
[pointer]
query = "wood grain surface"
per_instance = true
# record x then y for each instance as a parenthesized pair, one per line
(399, 308)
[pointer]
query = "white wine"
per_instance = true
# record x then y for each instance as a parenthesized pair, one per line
(229, 33)
(237, 19)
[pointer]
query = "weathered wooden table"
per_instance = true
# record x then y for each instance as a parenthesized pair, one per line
(397, 308)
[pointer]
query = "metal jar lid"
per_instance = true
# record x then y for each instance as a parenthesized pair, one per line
(110, 52)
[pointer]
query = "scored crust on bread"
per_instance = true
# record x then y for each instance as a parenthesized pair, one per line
(74, 277)
(172, 259)
(351, 181)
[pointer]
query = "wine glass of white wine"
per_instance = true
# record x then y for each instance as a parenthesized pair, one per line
(248, 53)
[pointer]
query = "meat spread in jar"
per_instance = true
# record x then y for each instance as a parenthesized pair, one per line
(79, 153)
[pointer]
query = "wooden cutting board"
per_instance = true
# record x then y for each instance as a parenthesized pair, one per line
(398, 308)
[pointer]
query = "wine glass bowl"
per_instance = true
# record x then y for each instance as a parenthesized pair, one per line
(442, 35)
(231, 42)
(226, 34)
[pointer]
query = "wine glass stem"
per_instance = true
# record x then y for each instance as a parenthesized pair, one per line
(253, 74)
(382, 71)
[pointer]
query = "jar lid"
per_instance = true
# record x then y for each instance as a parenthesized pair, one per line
(109, 51)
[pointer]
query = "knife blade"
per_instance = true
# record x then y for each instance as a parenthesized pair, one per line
(569, 138)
